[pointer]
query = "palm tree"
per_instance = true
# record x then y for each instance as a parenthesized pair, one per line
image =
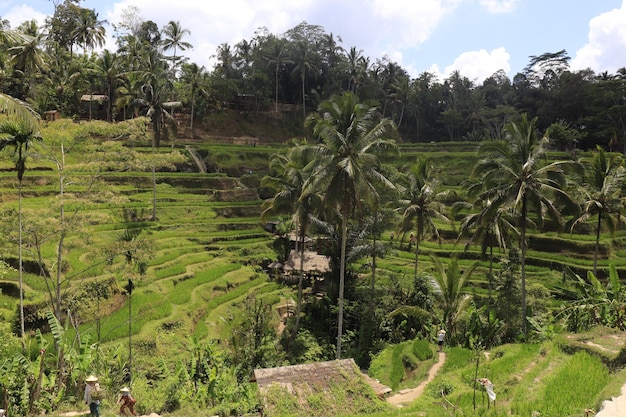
(490, 226)
(305, 60)
(357, 67)
(352, 137)
(514, 174)
(421, 203)
(29, 58)
(19, 135)
(277, 59)
(89, 32)
(601, 191)
(109, 70)
(194, 76)
(449, 283)
(292, 172)
(174, 34)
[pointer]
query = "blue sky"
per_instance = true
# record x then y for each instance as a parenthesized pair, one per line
(476, 37)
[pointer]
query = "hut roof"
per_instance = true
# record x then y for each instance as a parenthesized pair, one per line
(318, 374)
(94, 97)
(313, 262)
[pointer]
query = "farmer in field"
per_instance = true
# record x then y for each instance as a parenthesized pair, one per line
(488, 388)
(128, 402)
(92, 395)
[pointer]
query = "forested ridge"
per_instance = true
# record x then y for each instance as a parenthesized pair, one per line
(54, 66)
(150, 233)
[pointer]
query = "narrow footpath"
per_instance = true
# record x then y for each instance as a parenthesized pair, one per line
(407, 395)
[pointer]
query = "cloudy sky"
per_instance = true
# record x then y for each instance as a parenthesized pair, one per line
(476, 37)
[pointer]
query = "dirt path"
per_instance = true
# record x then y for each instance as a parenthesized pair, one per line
(615, 407)
(410, 394)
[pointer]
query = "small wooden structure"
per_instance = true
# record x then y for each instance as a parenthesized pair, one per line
(313, 262)
(93, 104)
(314, 376)
(52, 115)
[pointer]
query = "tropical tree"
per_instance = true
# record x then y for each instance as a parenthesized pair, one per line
(89, 31)
(29, 59)
(292, 170)
(19, 135)
(489, 227)
(174, 34)
(449, 284)
(421, 203)
(195, 77)
(278, 59)
(352, 138)
(601, 193)
(305, 67)
(592, 303)
(109, 70)
(514, 173)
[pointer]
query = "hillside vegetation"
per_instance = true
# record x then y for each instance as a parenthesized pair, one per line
(183, 305)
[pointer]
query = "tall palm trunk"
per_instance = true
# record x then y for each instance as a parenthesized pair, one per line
(300, 280)
(342, 276)
(20, 261)
(523, 260)
(596, 249)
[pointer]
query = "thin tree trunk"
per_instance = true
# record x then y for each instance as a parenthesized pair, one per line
(20, 262)
(300, 279)
(523, 262)
(596, 249)
(342, 274)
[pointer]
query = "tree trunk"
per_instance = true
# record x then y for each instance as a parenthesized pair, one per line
(523, 261)
(596, 249)
(342, 275)
(20, 261)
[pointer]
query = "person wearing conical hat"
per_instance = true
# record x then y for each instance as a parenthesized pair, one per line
(91, 388)
(440, 337)
(128, 402)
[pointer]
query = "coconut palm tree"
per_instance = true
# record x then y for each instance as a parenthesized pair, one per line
(352, 138)
(514, 173)
(292, 172)
(195, 77)
(449, 283)
(305, 67)
(89, 31)
(601, 193)
(490, 226)
(421, 203)
(19, 135)
(278, 59)
(174, 34)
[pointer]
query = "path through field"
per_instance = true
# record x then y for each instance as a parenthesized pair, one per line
(615, 407)
(410, 394)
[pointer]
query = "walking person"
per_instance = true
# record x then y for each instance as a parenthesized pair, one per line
(128, 402)
(440, 337)
(93, 395)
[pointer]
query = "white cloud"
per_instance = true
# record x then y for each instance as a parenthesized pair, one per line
(478, 65)
(498, 6)
(23, 13)
(606, 46)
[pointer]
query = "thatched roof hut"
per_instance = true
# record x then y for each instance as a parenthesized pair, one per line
(318, 374)
(313, 262)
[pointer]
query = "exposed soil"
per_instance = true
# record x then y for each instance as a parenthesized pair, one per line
(408, 395)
